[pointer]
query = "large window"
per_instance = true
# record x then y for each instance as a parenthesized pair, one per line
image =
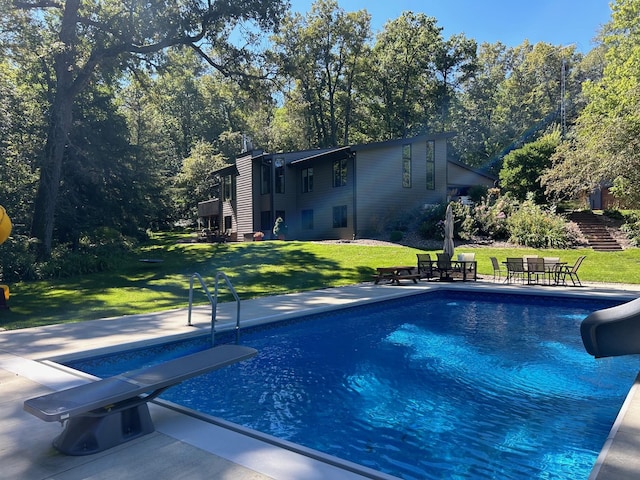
(227, 187)
(265, 178)
(340, 216)
(406, 166)
(307, 220)
(431, 166)
(307, 180)
(340, 173)
(279, 171)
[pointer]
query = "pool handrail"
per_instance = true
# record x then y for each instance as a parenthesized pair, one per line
(214, 302)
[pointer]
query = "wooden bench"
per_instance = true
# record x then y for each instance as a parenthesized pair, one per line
(108, 412)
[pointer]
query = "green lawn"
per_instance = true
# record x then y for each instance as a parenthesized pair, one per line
(255, 269)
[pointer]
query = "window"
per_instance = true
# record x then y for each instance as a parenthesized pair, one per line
(340, 173)
(307, 180)
(307, 220)
(431, 166)
(340, 216)
(279, 171)
(406, 166)
(265, 178)
(265, 221)
(227, 223)
(227, 187)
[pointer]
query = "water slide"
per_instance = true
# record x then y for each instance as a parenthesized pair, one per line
(613, 331)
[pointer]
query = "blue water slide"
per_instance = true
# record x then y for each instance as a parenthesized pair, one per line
(613, 331)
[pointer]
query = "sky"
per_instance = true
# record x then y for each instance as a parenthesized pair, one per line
(558, 22)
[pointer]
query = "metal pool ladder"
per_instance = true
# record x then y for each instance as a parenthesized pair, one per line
(214, 302)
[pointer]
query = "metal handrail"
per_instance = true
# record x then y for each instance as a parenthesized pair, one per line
(214, 302)
(215, 299)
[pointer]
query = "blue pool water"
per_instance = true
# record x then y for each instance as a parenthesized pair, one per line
(441, 385)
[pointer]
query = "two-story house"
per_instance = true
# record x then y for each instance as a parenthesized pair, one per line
(336, 193)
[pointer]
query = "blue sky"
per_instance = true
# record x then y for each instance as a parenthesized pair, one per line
(558, 22)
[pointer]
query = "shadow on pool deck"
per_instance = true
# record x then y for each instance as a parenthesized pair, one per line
(185, 448)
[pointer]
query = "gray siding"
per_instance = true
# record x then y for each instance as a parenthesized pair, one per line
(244, 197)
(381, 194)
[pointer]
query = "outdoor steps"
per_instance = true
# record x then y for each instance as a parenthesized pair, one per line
(595, 231)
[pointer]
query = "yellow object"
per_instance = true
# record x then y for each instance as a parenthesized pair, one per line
(5, 225)
(6, 291)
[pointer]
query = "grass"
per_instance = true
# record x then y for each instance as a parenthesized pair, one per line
(255, 269)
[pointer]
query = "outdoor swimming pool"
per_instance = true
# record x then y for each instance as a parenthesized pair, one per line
(438, 385)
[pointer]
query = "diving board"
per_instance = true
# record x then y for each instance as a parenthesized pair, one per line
(105, 413)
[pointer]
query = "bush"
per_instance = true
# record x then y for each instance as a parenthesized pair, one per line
(396, 236)
(533, 226)
(631, 227)
(103, 250)
(432, 224)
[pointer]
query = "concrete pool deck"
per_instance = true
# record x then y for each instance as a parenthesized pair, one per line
(184, 447)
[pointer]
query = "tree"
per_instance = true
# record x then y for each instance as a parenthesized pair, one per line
(322, 54)
(522, 167)
(604, 148)
(402, 71)
(96, 40)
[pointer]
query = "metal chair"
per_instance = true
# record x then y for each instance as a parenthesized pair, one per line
(515, 269)
(425, 266)
(571, 272)
(535, 270)
(497, 269)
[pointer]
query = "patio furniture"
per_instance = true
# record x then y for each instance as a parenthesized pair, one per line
(515, 269)
(467, 265)
(535, 270)
(444, 267)
(395, 274)
(425, 266)
(102, 414)
(571, 272)
(497, 269)
(552, 265)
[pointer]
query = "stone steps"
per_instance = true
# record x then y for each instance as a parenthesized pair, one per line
(595, 232)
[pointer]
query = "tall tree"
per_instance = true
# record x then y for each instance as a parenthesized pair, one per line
(403, 70)
(605, 146)
(96, 39)
(322, 53)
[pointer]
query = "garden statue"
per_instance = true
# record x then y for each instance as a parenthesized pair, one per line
(280, 229)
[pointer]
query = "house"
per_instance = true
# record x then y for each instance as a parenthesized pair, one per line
(336, 193)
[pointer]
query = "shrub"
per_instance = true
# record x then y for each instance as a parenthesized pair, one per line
(631, 227)
(533, 226)
(432, 224)
(396, 236)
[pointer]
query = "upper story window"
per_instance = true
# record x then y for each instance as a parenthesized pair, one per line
(307, 180)
(431, 166)
(340, 173)
(227, 187)
(265, 178)
(279, 174)
(406, 166)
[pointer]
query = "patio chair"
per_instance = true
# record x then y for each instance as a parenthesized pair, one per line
(515, 269)
(535, 270)
(444, 267)
(425, 266)
(552, 266)
(571, 272)
(497, 269)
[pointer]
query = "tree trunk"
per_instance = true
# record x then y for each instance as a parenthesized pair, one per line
(60, 122)
(49, 184)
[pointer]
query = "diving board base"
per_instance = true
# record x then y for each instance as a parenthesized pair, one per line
(86, 435)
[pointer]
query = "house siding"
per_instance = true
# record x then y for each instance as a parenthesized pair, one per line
(374, 193)
(380, 192)
(244, 198)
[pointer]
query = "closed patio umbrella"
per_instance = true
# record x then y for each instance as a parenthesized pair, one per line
(448, 233)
